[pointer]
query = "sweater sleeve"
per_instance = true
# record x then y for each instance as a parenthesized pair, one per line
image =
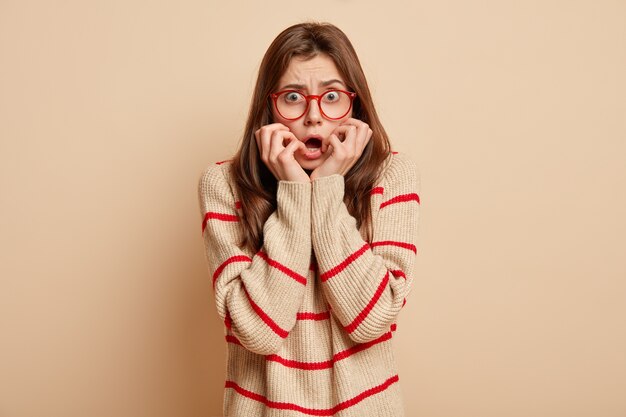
(257, 295)
(366, 283)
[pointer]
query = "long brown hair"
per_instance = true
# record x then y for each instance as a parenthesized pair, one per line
(255, 183)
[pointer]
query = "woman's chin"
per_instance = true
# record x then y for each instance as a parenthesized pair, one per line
(308, 164)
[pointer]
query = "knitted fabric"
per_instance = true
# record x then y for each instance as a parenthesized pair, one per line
(309, 318)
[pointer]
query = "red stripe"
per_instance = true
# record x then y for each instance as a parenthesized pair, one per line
(401, 199)
(236, 258)
(377, 190)
(313, 316)
(232, 339)
(324, 364)
(307, 366)
(381, 287)
(404, 302)
(219, 216)
(361, 346)
(313, 366)
(337, 269)
(394, 152)
(313, 411)
(237, 205)
(271, 323)
(221, 162)
(398, 273)
(394, 243)
(227, 320)
(282, 268)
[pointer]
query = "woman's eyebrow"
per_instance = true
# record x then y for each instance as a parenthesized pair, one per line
(322, 84)
(329, 82)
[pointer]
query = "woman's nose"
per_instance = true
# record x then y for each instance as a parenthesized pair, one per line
(313, 114)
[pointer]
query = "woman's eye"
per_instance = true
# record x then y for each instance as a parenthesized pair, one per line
(331, 96)
(292, 97)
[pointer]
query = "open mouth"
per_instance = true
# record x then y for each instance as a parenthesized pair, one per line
(313, 144)
(313, 148)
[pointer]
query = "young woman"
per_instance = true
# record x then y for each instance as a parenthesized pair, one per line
(310, 237)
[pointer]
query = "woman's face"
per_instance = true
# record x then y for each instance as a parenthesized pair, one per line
(313, 76)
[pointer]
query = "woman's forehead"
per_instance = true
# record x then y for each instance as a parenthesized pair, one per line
(317, 71)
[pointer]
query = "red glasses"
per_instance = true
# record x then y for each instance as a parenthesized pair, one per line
(292, 104)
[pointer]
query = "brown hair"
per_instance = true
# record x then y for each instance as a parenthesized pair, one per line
(255, 182)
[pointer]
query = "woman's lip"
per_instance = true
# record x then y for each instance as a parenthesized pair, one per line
(313, 154)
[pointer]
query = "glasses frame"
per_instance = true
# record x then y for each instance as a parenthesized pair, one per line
(274, 97)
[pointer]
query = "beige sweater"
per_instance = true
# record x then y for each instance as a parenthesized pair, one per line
(309, 318)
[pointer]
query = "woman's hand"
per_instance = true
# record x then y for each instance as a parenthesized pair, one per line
(278, 157)
(344, 153)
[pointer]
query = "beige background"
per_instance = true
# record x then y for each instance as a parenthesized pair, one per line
(514, 112)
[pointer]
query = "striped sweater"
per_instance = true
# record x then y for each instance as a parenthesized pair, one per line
(309, 318)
